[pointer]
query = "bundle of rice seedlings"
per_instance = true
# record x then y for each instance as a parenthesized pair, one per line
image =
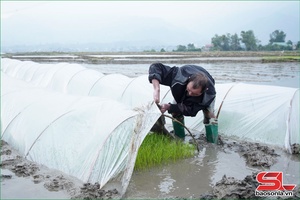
(158, 149)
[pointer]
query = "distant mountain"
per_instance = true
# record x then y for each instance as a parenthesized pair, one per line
(137, 46)
(137, 34)
(129, 34)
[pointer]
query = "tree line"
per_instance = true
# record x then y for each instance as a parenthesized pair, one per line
(245, 41)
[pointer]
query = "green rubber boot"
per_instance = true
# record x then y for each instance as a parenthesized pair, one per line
(211, 131)
(178, 128)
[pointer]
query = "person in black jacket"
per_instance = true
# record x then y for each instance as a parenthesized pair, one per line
(192, 87)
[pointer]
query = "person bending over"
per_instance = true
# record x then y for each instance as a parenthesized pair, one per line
(192, 87)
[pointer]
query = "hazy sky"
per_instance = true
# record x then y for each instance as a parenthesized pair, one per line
(168, 22)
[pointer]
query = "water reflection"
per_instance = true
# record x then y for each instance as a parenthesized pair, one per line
(186, 178)
(166, 185)
(192, 177)
(289, 165)
(230, 164)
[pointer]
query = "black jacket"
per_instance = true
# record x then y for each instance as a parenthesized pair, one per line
(177, 79)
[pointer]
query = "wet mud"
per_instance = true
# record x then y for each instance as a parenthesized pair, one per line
(255, 154)
(295, 148)
(52, 180)
(227, 188)
(231, 188)
(93, 191)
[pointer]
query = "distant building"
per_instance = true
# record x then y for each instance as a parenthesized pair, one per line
(281, 44)
(207, 47)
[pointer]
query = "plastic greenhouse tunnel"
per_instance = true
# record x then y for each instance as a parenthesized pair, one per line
(56, 115)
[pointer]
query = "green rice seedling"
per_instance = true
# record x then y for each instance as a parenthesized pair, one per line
(158, 149)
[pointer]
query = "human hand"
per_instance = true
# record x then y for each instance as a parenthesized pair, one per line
(164, 107)
(213, 121)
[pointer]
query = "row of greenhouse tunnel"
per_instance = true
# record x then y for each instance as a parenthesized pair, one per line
(55, 112)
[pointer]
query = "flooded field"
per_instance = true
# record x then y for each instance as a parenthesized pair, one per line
(224, 66)
(269, 73)
(190, 178)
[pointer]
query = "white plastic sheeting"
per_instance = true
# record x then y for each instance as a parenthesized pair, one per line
(95, 139)
(267, 114)
(260, 113)
(78, 80)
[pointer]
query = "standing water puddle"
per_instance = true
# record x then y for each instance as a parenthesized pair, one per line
(189, 178)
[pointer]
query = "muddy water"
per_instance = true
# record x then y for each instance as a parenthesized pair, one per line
(29, 190)
(187, 178)
(192, 177)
